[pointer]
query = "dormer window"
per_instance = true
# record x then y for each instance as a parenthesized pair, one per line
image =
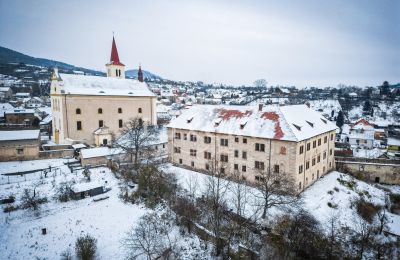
(311, 124)
(217, 122)
(242, 125)
(100, 111)
(78, 111)
(297, 127)
(189, 120)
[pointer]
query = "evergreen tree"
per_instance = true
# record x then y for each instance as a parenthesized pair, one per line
(340, 119)
(367, 107)
(385, 88)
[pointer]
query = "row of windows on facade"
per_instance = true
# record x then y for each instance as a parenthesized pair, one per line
(314, 144)
(223, 157)
(224, 142)
(101, 124)
(314, 161)
(100, 111)
(257, 166)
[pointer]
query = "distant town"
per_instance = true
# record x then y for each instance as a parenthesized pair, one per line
(198, 170)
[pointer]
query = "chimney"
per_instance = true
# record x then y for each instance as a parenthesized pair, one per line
(260, 107)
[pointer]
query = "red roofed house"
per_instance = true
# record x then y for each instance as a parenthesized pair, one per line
(362, 134)
(293, 140)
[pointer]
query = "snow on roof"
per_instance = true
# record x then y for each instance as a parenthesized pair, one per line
(290, 123)
(362, 123)
(4, 89)
(20, 111)
(393, 141)
(99, 152)
(5, 107)
(78, 146)
(19, 135)
(103, 86)
(85, 186)
(46, 120)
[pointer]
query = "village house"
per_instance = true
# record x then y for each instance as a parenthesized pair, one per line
(94, 109)
(33, 102)
(19, 145)
(293, 140)
(25, 117)
(362, 134)
(5, 92)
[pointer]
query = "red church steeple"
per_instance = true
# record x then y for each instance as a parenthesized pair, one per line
(140, 74)
(114, 59)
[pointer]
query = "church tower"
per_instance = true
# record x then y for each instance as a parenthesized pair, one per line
(140, 74)
(115, 68)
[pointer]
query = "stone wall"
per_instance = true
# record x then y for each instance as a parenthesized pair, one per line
(374, 170)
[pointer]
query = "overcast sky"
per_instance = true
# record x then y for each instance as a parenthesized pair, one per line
(302, 43)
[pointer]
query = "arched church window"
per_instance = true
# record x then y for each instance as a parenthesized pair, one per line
(100, 111)
(78, 111)
(140, 110)
(120, 110)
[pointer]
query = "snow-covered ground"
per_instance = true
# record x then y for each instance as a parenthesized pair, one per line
(368, 153)
(315, 198)
(383, 113)
(107, 220)
(326, 106)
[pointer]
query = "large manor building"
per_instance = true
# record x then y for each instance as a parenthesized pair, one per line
(294, 140)
(93, 109)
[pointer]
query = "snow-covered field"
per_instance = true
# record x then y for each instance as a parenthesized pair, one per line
(108, 220)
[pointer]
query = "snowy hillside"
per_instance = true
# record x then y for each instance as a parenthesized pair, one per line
(385, 113)
(332, 188)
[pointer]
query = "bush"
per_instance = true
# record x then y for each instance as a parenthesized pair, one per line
(31, 199)
(85, 247)
(9, 208)
(66, 255)
(331, 205)
(63, 192)
(367, 210)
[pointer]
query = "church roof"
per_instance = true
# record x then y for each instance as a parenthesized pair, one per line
(114, 59)
(103, 86)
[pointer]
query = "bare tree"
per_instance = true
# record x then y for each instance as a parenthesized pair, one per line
(277, 189)
(260, 83)
(215, 193)
(137, 139)
(150, 237)
(32, 199)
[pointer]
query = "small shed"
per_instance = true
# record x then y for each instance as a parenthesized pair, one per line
(86, 189)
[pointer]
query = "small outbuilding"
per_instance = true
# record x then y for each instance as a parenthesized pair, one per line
(87, 189)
